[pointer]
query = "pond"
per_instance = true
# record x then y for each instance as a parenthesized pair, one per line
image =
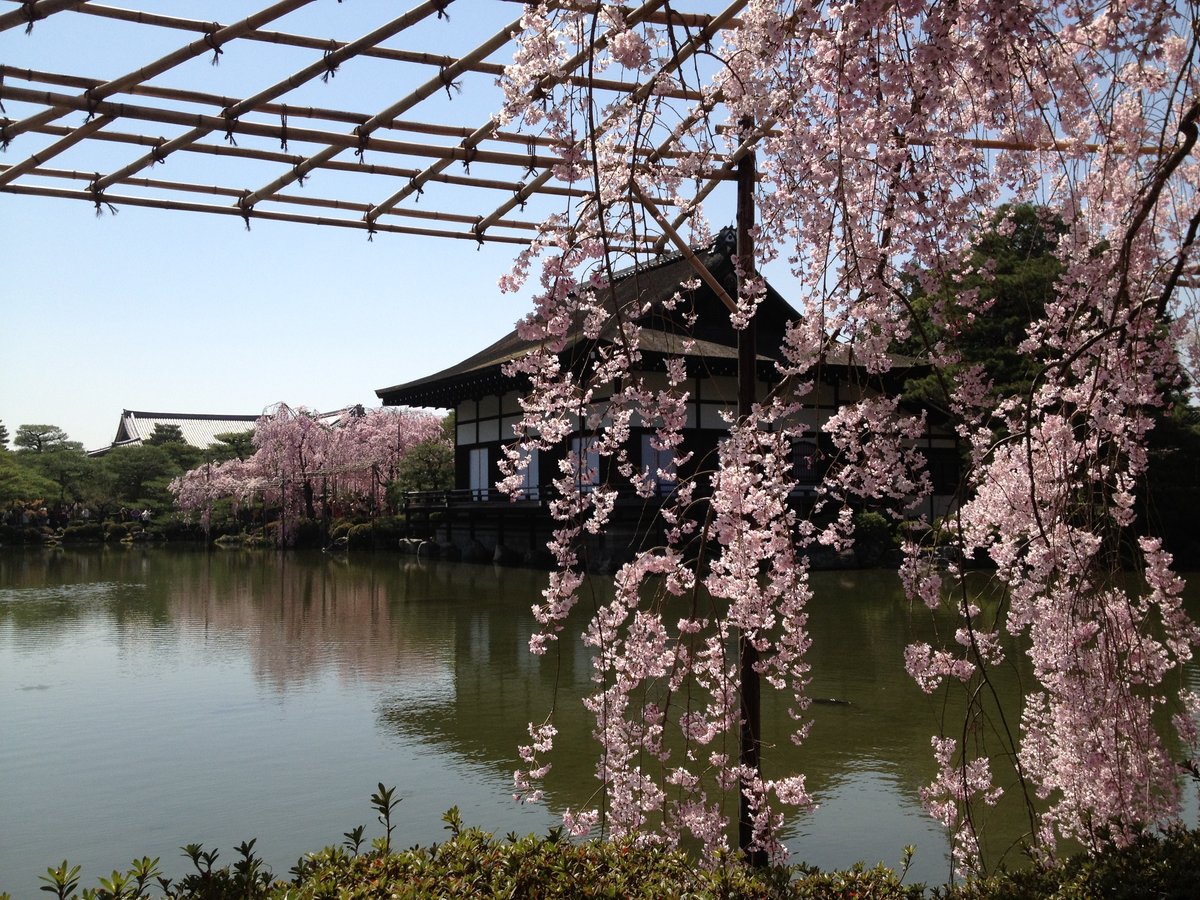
(153, 697)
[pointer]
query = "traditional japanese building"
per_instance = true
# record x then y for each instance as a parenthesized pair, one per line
(198, 429)
(486, 400)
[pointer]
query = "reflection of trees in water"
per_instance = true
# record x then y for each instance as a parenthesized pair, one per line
(860, 623)
(448, 644)
(498, 685)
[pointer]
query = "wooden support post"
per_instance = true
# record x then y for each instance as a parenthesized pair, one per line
(751, 705)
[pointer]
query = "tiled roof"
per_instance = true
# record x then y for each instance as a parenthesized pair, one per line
(198, 429)
(664, 329)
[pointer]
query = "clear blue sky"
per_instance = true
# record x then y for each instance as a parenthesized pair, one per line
(168, 311)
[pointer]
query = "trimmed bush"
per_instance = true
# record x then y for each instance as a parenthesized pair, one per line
(116, 531)
(872, 539)
(80, 534)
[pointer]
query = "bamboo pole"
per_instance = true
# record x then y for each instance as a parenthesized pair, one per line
(684, 248)
(294, 199)
(277, 109)
(335, 142)
(1054, 145)
(73, 137)
(269, 215)
(357, 168)
(32, 12)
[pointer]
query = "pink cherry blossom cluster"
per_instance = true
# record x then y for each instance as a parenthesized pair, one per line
(886, 134)
(306, 465)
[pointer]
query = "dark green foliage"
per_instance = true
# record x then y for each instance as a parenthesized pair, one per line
(873, 541)
(173, 529)
(3, 437)
(116, 531)
(77, 476)
(231, 445)
(428, 466)
(166, 434)
(92, 532)
(382, 533)
(474, 863)
(140, 475)
(21, 481)
(1164, 867)
(170, 438)
(43, 439)
(1171, 496)
(1025, 271)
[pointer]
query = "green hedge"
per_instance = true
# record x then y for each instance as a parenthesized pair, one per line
(473, 863)
(79, 534)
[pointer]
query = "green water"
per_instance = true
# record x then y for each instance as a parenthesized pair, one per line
(155, 697)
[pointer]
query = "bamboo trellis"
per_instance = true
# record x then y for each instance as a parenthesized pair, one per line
(157, 133)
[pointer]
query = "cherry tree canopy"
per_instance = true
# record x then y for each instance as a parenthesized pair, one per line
(871, 143)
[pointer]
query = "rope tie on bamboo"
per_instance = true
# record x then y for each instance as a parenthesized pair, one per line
(92, 105)
(519, 192)
(300, 176)
(98, 197)
(2, 109)
(478, 232)
(416, 185)
(246, 208)
(448, 83)
(364, 140)
(531, 146)
(369, 218)
(5, 140)
(29, 10)
(211, 41)
(283, 128)
(441, 9)
(330, 68)
(230, 124)
(469, 153)
(156, 152)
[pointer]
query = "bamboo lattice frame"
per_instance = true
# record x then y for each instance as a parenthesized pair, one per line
(154, 134)
(154, 130)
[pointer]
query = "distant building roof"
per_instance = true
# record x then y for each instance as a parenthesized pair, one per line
(198, 429)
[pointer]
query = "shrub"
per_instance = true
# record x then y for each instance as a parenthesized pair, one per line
(79, 534)
(115, 531)
(473, 863)
(179, 530)
(360, 537)
(872, 538)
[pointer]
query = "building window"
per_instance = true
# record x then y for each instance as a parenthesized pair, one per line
(654, 461)
(586, 460)
(530, 485)
(480, 475)
(804, 462)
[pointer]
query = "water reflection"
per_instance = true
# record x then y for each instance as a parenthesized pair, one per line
(152, 697)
